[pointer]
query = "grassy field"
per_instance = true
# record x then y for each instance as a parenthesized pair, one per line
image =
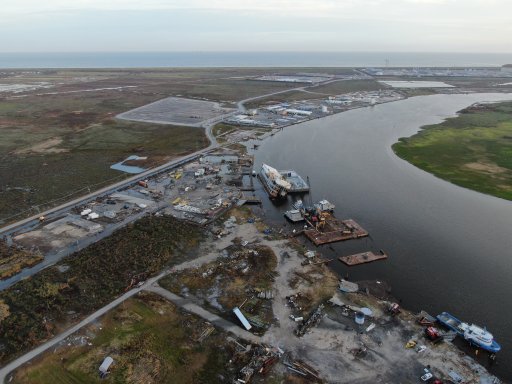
(473, 150)
(150, 340)
(38, 307)
(13, 259)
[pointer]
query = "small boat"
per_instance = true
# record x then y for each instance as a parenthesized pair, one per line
(474, 334)
(298, 205)
(294, 215)
(325, 206)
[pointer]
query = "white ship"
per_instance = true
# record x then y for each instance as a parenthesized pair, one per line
(275, 184)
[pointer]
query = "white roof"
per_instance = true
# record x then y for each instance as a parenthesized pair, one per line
(242, 318)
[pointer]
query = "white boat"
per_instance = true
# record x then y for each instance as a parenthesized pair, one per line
(274, 183)
(294, 215)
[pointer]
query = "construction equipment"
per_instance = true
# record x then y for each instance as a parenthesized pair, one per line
(433, 334)
(394, 309)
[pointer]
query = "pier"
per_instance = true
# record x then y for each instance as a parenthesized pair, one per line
(362, 258)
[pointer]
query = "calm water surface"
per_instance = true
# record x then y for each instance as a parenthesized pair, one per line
(450, 248)
(249, 59)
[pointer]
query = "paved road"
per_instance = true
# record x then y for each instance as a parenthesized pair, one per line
(240, 104)
(304, 88)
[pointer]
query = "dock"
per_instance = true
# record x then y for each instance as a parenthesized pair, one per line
(334, 231)
(248, 200)
(362, 258)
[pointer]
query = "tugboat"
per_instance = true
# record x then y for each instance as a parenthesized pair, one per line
(273, 182)
(475, 335)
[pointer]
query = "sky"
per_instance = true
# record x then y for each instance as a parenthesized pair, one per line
(258, 25)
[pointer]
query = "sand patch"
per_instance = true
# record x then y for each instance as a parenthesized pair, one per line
(47, 146)
(485, 167)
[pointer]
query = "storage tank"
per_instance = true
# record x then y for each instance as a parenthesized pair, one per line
(106, 364)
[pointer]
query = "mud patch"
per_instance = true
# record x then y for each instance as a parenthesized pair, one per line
(486, 167)
(47, 146)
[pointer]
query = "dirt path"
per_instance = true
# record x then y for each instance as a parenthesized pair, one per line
(215, 320)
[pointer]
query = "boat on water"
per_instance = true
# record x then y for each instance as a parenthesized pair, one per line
(325, 206)
(474, 334)
(298, 184)
(298, 205)
(294, 215)
(273, 182)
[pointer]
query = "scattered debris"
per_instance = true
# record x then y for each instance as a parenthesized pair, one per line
(313, 320)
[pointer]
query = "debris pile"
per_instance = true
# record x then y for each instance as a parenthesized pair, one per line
(262, 359)
(300, 368)
(313, 321)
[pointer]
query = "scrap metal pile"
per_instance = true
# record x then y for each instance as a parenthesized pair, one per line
(300, 368)
(262, 360)
(313, 321)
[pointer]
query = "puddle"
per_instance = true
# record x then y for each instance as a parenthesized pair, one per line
(128, 168)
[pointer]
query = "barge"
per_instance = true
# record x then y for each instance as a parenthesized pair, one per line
(334, 230)
(298, 185)
(473, 334)
(362, 258)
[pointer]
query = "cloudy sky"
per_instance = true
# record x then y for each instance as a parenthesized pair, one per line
(258, 25)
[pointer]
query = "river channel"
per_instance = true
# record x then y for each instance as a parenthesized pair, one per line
(449, 248)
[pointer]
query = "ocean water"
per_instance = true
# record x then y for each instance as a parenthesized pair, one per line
(250, 59)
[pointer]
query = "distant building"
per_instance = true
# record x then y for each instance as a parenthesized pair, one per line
(507, 68)
(299, 112)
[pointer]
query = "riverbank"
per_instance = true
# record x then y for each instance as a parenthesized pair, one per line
(471, 150)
